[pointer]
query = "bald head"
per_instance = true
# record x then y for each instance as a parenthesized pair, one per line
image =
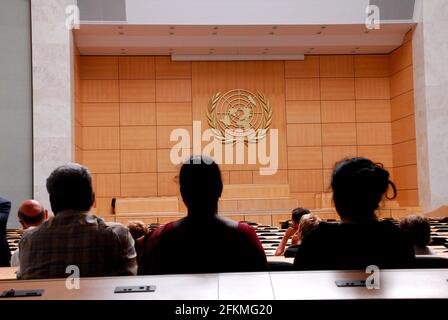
(30, 208)
(31, 213)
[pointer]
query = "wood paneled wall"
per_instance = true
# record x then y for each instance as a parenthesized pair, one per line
(77, 126)
(403, 124)
(336, 106)
(325, 108)
(128, 107)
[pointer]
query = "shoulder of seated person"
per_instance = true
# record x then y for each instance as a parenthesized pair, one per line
(324, 228)
(118, 229)
(116, 226)
(386, 222)
(389, 225)
(32, 229)
(32, 232)
(36, 229)
(231, 223)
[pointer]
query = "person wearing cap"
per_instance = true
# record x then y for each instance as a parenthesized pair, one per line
(31, 214)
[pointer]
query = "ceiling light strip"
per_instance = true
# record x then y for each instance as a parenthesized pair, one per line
(235, 57)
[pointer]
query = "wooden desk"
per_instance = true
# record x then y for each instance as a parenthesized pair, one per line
(8, 273)
(309, 285)
(394, 284)
(280, 259)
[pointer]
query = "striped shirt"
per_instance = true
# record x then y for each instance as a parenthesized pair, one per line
(76, 238)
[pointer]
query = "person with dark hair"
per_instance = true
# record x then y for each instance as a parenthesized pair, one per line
(202, 242)
(75, 237)
(5, 253)
(31, 214)
(360, 239)
(419, 230)
(296, 215)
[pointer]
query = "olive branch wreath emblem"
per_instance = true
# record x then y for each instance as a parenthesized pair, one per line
(212, 120)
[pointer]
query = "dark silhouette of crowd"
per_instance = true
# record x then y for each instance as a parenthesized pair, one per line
(203, 241)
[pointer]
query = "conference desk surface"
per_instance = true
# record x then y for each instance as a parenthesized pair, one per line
(309, 285)
(9, 273)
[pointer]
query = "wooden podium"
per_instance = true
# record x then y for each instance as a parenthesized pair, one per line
(265, 204)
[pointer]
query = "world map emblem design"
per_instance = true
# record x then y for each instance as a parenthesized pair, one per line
(239, 114)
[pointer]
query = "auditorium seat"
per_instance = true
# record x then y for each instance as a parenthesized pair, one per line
(430, 262)
(438, 241)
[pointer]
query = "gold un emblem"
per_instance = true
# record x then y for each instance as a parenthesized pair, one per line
(239, 114)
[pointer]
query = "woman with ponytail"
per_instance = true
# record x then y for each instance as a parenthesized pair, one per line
(359, 239)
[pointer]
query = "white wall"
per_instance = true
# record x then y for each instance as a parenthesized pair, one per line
(241, 12)
(16, 161)
(431, 102)
(52, 91)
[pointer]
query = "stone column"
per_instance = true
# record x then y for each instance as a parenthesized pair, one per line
(52, 91)
(431, 102)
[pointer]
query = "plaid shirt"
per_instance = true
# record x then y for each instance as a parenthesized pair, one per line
(76, 238)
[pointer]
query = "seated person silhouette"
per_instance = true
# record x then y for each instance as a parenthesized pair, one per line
(360, 239)
(31, 214)
(74, 236)
(291, 232)
(308, 223)
(419, 230)
(202, 242)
